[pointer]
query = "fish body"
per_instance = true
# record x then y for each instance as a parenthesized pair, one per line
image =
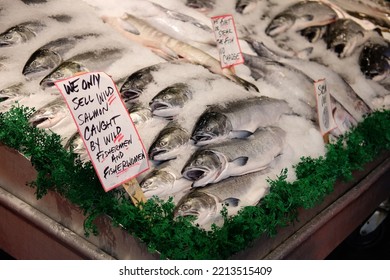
(216, 162)
(84, 62)
(169, 142)
(169, 102)
(20, 33)
(50, 55)
(299, 16)
(340, 90)
(205, 204)
(49, 115)
(169, 48)
(343, 36)
(296, 84)
(238, 119)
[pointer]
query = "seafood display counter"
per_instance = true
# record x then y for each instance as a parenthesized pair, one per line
(243, 123)
(52, 228)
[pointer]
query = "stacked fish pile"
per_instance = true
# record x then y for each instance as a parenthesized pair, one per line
(214, 135)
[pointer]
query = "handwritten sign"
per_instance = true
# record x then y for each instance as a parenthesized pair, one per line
(110, 137)
(324, 108)
(227, 42)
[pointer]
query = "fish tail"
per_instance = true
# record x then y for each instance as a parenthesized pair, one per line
(247, 85)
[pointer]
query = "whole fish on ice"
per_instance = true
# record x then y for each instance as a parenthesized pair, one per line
(206, 204)
(169, 143)
(238, 119)
(50, 55)
(50, 114)
(84, 62)
(140, 31)
(300, 16)
(216, 162)
(20, 33)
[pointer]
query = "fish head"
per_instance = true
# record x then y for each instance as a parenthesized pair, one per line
(65, 70)
(48, 116)
(374, 61)
(200, 205)
(158, 183)
(40, 61)
(280, 24)
(11, 92)
(13, 36)
(169, 101)
(203, 167)
(135, 84)
(167, 144)
(210, 127)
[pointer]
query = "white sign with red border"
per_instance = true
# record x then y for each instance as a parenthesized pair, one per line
(110, 137)
(227, 42)
(324, 107)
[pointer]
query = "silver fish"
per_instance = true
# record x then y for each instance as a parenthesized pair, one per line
(84, 62)
(343, 36)
(169, 48)
(14, 92)
(216, 162)
(341, 91)
(297, 85)
(375, 11)
(205, 204)
(50, 55)
(20, 33)
(300, 16)
(136, 83)
(169, 102)
(238, 119)
(169, 142)
(50, 114)
(164, 182)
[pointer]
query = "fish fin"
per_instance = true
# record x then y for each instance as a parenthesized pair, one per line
(128, 27)
(240, 161)
(240, 134)
(231, 202)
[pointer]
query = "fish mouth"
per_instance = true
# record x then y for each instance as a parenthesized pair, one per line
(194, 174)
(158, 105)
(130, 94)
(155, 153)
(5, 44)
(200, 138)
(38, 121)
(47, 83)
(2, 99)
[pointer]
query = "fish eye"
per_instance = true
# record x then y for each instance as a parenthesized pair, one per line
(7, 36)
(57, 75)
(163, 143)
(198, 162)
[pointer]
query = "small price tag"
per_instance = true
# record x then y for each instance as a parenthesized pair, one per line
(110, 137)
(324, 108)
(227, 42)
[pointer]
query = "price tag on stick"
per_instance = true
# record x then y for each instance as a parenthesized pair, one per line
(110, 137)
(324, 108)
(227, 42)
